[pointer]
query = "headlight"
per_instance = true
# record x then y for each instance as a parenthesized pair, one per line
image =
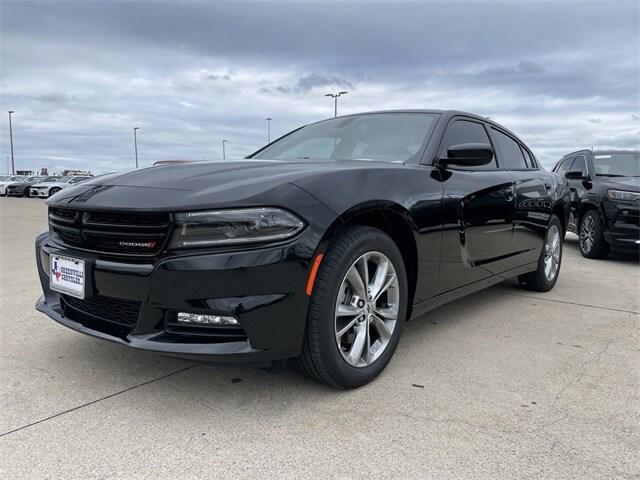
(622, 195)
(233, 227)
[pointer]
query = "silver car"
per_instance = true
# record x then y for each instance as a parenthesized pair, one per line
(51, 186)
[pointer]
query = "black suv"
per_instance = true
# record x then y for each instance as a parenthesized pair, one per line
(605, 199)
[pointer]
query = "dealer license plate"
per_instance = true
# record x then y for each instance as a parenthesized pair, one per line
(67, 275)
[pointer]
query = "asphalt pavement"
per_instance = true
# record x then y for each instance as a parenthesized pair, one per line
(502, 384)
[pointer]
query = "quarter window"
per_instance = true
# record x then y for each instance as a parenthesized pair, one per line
(510, 154)
(464, 131)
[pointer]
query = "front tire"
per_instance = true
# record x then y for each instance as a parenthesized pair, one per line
(544, 278)
(357, 311)
(53, 191)
(591, 236)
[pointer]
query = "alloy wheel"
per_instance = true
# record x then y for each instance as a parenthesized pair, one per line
(367, 309)
(552, 253)
(587, 233)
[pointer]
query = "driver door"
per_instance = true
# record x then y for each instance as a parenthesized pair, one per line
(478, 207)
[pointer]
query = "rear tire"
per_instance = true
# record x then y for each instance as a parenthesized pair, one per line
(544, 278)
(354, 321)
(591, 236)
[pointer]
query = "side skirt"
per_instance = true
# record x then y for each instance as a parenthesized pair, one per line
(421, 308)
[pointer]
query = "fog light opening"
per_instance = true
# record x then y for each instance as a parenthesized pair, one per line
(199, 319)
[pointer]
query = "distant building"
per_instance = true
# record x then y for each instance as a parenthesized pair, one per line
(76, 172)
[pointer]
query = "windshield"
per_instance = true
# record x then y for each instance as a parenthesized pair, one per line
(33, 179)
(389, 137)
(51, 179)
(617, 164)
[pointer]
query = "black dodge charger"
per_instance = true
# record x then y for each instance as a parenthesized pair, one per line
(318, 247)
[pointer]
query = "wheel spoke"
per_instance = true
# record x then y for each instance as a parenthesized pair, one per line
(547, 268)
(347, 311)
(390, 313)
(362, 266)
(358, 346)
(390, 281)
(382, 328)
(378, 281)
(355, 280)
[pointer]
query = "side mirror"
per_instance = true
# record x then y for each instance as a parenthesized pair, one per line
(575, 175)
(468, 155)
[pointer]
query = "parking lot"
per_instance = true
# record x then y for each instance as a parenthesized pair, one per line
(503, 384)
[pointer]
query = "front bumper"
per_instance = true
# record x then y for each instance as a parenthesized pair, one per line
(623, 225)
(14, 192)
(39, 193)
(263, 288)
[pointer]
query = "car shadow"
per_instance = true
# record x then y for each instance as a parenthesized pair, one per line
(235, 386)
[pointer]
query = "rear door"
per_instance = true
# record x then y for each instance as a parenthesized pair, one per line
(533, 203)
(478, 208)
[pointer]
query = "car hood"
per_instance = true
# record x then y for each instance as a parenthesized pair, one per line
(631, 184)
(203, 184)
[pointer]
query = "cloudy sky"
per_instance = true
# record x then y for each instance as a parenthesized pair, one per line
(80, 75)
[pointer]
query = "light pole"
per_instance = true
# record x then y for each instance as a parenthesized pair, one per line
(224, 153)
(135, 142)
(269, 129)
(13, 165)
(335, 101)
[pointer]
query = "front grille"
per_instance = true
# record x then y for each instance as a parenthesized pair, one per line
(116, 233)
(113, 310)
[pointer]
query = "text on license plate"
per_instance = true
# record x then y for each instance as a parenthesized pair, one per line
(67, 275)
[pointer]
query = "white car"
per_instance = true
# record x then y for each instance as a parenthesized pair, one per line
(8, 179)
(54, 185)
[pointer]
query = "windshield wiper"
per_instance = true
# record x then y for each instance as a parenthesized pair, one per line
(609, 175)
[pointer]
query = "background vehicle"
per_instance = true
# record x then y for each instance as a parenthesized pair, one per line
(51, 186)
(319, 246)
(9, 179)
(605, 199)
(21, 188)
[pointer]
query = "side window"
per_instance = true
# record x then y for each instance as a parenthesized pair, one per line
(580, 165)
(465, 131)
(565, 166)
(509, 152)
